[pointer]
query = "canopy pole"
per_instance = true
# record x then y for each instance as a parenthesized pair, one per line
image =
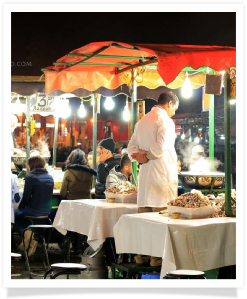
(227, 125)
(94, 99)
(211, 128)
(55, 141)
(134, 121)
(28, 125)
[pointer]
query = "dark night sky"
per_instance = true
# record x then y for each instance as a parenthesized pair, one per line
(42, 38)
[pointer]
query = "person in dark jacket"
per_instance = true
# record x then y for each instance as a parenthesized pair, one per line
(36, 200)
(107, 161)
(78, 177)
(77, 184)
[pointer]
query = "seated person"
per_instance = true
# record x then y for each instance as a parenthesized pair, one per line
(107, 161)
(77, 184)
(15, 196)
(36, 200)
(78, 177)
(121, 173)
(90, 159)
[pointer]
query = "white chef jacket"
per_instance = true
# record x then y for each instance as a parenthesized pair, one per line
(158, 179)
(14, 190)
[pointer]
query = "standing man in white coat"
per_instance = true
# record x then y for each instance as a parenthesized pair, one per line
(152, 145)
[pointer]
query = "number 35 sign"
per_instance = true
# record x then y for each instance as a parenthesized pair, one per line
(42, 103)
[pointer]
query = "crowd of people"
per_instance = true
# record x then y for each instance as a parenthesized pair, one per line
(157, 177)
(77, 184)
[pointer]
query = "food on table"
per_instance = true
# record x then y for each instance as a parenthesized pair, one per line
(57, 185)
(176, 215)
(122, 188)
(110, 200)
(163, 211)
(218, 213)
(193, 199)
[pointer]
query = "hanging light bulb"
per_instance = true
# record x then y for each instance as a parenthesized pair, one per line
(232, 101)
(109, 104)
(187, 88)
(64, 110)
(126, 112)
(82, 111)
(17, 107)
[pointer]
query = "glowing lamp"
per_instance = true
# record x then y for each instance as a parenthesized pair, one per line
(187, 88)
(109, 104)
(82, 110)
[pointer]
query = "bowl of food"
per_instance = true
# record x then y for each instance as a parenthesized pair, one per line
(111, 200)
(201, 180)
(176, 215)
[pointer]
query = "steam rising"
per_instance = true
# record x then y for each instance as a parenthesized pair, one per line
(203, 164)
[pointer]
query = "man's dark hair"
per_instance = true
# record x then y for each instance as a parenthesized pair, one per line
(166, 97)
(77, 156)
(36, 162)
(125, 160)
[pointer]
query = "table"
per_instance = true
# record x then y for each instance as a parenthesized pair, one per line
(94, 218)
(193, 244)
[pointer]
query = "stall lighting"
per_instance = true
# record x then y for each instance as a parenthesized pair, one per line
(187, 88)
(126, 113)
(92, 120)
(190, 139)
(183, 136)
(62, 125)
(64, 109)
(17, 107)
(233, 102)
(196, 140)
(222, 137)
(82, 110)
(109, 104)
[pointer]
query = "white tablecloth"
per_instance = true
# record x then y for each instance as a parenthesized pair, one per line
(91, 217)
(192, 244)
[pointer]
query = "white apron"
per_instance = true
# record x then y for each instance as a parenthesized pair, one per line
(158, 178)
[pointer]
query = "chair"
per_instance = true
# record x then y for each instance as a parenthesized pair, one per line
(133, 268)
(64, 269)
(40, 230)
(15, 257)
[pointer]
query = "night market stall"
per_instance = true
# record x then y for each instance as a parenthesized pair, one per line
(139, 71)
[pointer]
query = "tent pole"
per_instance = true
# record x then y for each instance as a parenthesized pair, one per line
(94, 99)
(211, 128)
(134, 121)
(55, 141)
(227, 125)
(28, 132)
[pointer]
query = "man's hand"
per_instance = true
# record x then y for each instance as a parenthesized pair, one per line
(104, 156)
(140, 157)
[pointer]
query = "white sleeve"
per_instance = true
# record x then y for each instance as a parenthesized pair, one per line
(15, 186)
(158, 148)
(132, 146)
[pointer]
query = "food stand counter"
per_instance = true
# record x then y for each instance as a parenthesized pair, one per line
(193, 244)
(94, 218)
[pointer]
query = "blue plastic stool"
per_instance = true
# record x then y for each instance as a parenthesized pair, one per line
(151, 276)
